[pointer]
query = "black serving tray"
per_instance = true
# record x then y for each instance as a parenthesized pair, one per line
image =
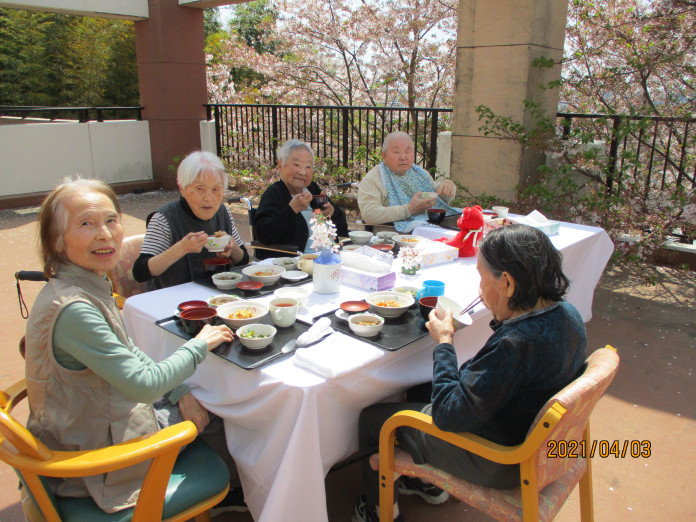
(264, 290)
(235, 352)
(396, 332)
(450, 222)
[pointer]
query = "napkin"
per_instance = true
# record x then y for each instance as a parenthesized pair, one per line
(533, 218)
(334, 359)
(364, 263)
(318, 330)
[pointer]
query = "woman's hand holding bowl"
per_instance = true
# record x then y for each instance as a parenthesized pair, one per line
(215, 335)
(440, 330)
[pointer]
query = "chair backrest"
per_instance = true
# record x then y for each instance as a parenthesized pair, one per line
(579, 399)
(122, 274)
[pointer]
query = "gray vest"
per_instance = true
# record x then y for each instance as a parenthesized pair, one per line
(190, 267)
(75, 410)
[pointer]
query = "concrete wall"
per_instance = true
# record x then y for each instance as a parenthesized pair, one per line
(127, 10)
(36, 157)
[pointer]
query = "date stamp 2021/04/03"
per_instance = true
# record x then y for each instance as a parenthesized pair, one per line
(599, 448)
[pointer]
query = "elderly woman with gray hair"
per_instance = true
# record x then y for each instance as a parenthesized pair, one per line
(284, 210)
(538, 346)
(173, 252)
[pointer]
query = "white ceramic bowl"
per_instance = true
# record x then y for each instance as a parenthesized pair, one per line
(221, 299)
(360, 237)
(366, 330)
(257, 310)
(217, 244)
(408, 290)
(403, 301)
(294, 275)
(300, 294)
(501, 211)
(428, 195)
(445, 303)
(387, 235)
(257, 329)
(226, 280)
(267, 274)
(406, 240)
(288, 263)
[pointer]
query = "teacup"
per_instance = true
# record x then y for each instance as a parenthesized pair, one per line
(501, 211)
(283, 311)
(306, 263)
(431, 287)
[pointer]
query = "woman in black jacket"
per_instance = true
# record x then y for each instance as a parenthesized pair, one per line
(284, 211)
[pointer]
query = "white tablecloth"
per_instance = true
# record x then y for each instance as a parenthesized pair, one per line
(286, 426)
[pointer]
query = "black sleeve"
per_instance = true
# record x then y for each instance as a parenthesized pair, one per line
(274, 221)
(141, 269)
(244, 260)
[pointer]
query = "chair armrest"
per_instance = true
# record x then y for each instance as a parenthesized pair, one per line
(11, 397)
(123, 455)
(469, 441)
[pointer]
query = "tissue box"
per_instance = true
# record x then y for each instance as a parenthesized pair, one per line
(436, 253)
(550, 229)
(367, 280)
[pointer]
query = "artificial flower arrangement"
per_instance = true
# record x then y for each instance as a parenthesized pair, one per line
(410, 260)
(323, 239)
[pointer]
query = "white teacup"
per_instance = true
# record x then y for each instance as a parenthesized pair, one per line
(306, 263)
(501, 211)
(283, 311)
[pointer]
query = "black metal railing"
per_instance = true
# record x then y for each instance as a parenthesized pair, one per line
(341, 134)
(81, 114)
(657, 152)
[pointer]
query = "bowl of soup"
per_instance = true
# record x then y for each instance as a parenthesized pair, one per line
(366, 324)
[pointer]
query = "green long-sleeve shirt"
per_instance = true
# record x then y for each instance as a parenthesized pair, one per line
(82, 339)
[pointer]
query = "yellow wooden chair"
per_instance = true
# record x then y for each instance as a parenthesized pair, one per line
(177, 486)
(545, 483)
(122, 275)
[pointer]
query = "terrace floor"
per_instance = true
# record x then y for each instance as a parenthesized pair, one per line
(652, 398)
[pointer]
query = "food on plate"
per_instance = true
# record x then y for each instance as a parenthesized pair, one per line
(220, 233)
(264, 273)
(251, 334)
(227, 277)
(391, 303)
(410, 240)
(217, 301)
(366, 323)
(244, 313)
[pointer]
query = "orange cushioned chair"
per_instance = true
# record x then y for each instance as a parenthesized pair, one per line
(545, 483)
(122, 275)
(177, 486)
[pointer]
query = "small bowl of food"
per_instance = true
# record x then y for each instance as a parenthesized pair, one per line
(256, 336)
(408, 290)
(383, 247)
(288, 263)
(366, 325)
(427, 305)
(406, 240)
(218, 242)
(360, 237)
(249, 287)
(266, 274)
(190, 304)
(444, 304)
(319, 201)
(387, 235)
(428, 195)
(226, 280)
(389, 304)
(436, 215)
(195, 318)
(297, 293)
(221, 299)
(217, 264)
(236, 315)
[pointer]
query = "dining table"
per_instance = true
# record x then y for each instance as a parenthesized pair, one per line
(288, 423)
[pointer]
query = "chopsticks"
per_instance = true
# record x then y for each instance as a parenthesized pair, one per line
(470, 306)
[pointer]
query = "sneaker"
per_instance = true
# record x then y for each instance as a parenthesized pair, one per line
(366, 512)
(413, 486)
(234, 501)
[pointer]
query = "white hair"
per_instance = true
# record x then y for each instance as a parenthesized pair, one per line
(286, 149)
(197, 163)
(393, 136)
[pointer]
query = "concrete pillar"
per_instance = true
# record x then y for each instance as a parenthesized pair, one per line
(171, 73)
(496, 45)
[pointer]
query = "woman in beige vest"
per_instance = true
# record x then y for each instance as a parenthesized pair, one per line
(88, 385)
